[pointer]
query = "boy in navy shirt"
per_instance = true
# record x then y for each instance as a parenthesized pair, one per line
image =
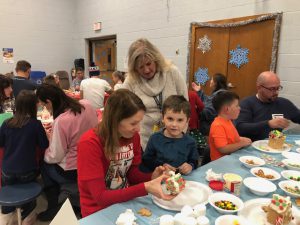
(171, 147)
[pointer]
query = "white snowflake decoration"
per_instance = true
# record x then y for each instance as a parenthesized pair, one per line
(201, 76)
(204, 44)
(239, 56)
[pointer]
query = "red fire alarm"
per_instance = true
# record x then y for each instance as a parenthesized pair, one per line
(97, 26)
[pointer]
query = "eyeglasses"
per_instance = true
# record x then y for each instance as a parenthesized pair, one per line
(273, 89)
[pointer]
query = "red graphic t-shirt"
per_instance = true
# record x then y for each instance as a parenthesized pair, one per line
(103, 182)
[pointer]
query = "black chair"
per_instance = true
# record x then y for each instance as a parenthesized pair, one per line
(19, 194)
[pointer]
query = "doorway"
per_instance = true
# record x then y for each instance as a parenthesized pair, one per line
(102, 51)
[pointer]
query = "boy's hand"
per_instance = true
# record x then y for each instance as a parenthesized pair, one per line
(245, 141)
(158, 172)
(185, 168)
(169, 167)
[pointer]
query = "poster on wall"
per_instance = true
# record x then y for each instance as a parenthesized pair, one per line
(8, 55)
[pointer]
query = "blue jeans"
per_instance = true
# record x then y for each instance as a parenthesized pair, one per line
(19, 178)
(53, 175)
(64, 182)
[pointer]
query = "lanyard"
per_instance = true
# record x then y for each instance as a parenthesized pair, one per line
(158, 100)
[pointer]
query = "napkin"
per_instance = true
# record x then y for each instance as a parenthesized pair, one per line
(211, 175)
(65, 215)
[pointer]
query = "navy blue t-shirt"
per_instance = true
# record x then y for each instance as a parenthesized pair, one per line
(21, 83)
(255, 114)
(173, 151)
(20, 146)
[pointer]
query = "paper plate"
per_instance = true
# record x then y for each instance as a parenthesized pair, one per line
(263, 146)
(253, 212)
(193, 194)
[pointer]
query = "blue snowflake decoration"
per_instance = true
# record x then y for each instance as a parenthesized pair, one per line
(201, 76)
(239, 56)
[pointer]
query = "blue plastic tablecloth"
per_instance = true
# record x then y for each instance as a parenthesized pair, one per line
(226, 164)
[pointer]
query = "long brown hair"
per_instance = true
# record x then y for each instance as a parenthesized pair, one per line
(120, 105)
(60, 101)
(5, 82)
(26, 108)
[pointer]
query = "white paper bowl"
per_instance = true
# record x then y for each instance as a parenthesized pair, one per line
(256, 160)
(266, 171)
(259, 186)
(289, 183)
(289, 163)
(291, 155)
(219, 196)
(290, 173)
(229, 219)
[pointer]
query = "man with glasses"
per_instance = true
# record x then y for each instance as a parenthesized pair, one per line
(265, 111)
(21, 80)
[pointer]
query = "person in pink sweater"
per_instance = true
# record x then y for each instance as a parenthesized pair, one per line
(59, 170)
(109, 156)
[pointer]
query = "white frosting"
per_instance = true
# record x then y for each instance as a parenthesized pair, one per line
(202, 220)
(173, 179)
(166, 220)
(286, 200)
(126, 218)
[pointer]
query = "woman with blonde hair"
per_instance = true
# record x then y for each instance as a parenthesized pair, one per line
(153, 79)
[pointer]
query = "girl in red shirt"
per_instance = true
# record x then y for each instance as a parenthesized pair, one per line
(109, 156)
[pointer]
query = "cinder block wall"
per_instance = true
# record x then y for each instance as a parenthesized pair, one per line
(52, 33)
(41, 32)
(166, 24)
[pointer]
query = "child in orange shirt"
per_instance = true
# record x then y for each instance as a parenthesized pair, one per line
(223, 136)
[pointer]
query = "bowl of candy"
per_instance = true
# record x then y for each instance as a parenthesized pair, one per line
(290, 187)
(291, 175)
(225, 203)
(251, 161)
(292, 164)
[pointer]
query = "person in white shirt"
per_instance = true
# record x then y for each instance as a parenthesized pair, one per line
(94, 88)
(118, 78)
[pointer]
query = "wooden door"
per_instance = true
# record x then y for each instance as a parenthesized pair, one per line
(105, 58)
(257, 37)
(213, 60)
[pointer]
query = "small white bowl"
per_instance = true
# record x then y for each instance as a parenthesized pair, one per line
(256, 160)
(229, 219)
(219, 196)
(291, 155)
(259, 186)
(290, 173)
(266, 171)
(290, 164)
(290, 184)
